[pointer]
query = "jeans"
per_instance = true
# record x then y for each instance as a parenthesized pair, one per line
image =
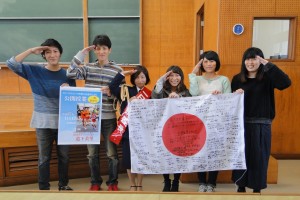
(107, 127)
(45, 139)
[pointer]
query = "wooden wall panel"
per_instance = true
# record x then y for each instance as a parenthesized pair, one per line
(151, 39)
(231, 47)
(211, 25)
(9, 82)
(167, 33)
(24, 86)
(176, 33)
(21, 164)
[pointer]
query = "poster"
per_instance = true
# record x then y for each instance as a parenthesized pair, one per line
(79, 115)
(182, 135)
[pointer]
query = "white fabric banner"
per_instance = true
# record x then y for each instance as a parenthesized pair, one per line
(191, 134)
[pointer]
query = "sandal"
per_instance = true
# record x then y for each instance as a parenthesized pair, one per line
(133, 188)
(139, 188)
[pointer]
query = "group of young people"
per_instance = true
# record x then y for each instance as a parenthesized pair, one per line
(257, 79)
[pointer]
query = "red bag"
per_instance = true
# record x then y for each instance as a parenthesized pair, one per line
(122, 124)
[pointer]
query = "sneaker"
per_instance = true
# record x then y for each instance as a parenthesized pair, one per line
(113, 187)
(256, 191)
(210, 188)
(94, 187)
(202, 187)
(66, 187)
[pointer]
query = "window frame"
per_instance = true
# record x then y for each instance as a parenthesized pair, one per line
(291, 37)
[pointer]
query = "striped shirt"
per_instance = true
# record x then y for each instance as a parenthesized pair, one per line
(45, 85)
(96, 76)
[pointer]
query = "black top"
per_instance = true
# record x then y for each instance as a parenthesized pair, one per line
(259, 101)
(115, 89)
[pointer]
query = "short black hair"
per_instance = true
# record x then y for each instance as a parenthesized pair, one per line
(139, 69)
(102, 40)
(211, 55)
(51, 43)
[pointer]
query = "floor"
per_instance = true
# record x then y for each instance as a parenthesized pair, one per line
(288, 182)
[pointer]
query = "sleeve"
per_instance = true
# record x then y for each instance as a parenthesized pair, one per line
(72, 82)
(114, 85)
(279, 79)
(74, 71)
(17, 67)
(235, 84)
(226, 86)
(159, 85)
(194, 88)
(156, 95)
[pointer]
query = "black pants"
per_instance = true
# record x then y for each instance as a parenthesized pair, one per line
(212, 177)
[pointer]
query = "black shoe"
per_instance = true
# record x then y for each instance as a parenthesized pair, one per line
(167, 187)
(256, 191)
(175, 186)
(241, 189)
(66, 187)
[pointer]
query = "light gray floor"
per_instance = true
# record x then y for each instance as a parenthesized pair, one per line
(288, 182)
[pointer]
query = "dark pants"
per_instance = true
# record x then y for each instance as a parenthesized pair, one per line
(45, 139)
(212, 177)
(257, 153)
(176, 176)
(107, 127)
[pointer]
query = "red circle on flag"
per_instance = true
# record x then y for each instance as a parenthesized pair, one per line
(184, 134)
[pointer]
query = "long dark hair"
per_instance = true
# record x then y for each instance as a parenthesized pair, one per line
(181, 86)
(251, 52)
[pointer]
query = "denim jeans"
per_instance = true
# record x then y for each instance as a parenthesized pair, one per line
(107, 127)
(45, 139)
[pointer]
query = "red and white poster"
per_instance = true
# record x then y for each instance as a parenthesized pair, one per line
(192, 134)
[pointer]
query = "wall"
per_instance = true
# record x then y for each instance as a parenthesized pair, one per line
(168, 37)
(286, 137)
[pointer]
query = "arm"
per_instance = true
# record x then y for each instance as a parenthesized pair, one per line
(75, 71)
(157, 95)
(114, 85)
(160, 82)
(226, 86)
(15, 63)
(34, 50)
(235, 86)
(194, 88)
(279, 79)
